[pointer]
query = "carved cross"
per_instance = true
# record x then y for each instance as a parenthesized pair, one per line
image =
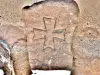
(49, 33)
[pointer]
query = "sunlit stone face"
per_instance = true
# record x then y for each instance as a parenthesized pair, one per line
(86, 45)
(50, 26)
(41, 34)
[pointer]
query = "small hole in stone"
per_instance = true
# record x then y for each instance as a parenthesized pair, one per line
(26, 7)
(87, 23)
(90, 33)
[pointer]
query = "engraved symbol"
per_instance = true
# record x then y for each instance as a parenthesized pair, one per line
(49, 33)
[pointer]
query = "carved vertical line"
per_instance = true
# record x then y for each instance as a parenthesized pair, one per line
(72, 50)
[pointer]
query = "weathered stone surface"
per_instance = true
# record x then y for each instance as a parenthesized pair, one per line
(50, 26)
(60, 34)
(10, 34)
(86, 45)
(20, 58)
(86, 42)
(11, 10)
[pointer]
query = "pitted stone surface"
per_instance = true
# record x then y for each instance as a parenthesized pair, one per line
(50, 34)
(86, 45)
(10, 34)
(11, 10)
(55, 38)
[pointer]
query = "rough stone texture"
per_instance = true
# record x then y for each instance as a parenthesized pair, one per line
(60, 34)
(86, 45)
(20, 58)
(11, 10)
(50, 34)
(11, 34)
(12, 28)
(86, 42)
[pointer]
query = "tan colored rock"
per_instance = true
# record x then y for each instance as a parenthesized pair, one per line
(20, 58)
(11, 10)
(89, 11)
(50, 26)
(86, 42)
(11, 34)
(86, 45)
(55, 37)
